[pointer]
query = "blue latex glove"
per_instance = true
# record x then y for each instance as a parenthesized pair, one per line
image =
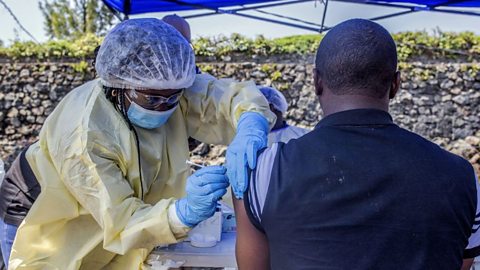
(252, 131)
(204, 188)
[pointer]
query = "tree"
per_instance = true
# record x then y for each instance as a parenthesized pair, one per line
(70, 19)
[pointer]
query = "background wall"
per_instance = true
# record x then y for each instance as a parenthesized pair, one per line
(439, 99)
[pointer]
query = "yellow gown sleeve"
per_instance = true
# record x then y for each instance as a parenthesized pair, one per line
(93, 169)
(213, 107)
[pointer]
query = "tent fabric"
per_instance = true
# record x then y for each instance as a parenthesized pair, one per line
(130, 7)
(428, 3)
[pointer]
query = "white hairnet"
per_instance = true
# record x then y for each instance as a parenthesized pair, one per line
(275, 98)
(145, 54)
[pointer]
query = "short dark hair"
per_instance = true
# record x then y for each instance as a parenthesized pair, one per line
(357, 57)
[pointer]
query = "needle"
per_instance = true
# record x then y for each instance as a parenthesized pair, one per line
(194, 164)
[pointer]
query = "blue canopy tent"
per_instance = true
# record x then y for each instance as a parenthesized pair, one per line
(236, 7)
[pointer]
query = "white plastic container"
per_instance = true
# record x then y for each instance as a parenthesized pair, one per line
(208, 232)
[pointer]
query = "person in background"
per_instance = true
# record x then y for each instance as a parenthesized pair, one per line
(281, 131)
(358, 192)
(183, 27)
(108, 180)
(180, 24)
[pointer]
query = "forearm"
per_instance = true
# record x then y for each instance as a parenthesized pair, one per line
(213, 108)
(145, 227)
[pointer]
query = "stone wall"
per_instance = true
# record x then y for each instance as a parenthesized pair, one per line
(439, 100)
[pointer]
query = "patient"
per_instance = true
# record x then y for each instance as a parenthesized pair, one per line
(358, 192)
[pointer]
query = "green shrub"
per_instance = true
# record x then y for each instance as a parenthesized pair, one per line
(80, 48)
(80, 67)
(409, 46)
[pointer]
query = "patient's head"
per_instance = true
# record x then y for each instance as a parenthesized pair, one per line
(357, 59)
(180, 24)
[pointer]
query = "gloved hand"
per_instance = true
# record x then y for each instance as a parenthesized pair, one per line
(252, 131)
(204, 188)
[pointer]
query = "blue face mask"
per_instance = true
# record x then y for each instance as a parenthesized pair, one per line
(148, 119)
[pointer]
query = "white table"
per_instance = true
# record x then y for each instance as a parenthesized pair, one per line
(221, 255)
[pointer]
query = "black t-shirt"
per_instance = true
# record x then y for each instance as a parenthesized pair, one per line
(359, 192)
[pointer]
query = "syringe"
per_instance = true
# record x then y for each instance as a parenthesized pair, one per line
(194, 164)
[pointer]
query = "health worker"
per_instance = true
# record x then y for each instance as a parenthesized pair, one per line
(106, 181)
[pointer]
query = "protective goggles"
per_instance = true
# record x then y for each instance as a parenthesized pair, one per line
(153, 102)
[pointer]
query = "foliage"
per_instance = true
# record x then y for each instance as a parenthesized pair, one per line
(80, 67)
(410, 45)
(440, 44)
(67, 19)
(80, 48)
(236, 43)
(276, 75)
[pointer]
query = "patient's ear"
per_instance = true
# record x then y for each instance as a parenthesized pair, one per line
(395, 85)
(317, 82)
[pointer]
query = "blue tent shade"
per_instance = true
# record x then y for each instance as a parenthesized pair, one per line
(145, 6)
(129, 7)
(429, 3)
(213, 7)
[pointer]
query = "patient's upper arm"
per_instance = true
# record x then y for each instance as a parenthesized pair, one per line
(252, 245)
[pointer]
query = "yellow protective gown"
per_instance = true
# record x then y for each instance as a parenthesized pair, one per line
(90, 213)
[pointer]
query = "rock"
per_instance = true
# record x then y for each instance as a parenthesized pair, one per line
(41, 88)
(300, 68)
(26, 100)
(424, 110)
(10, 96)
(30, 119)
(226, 58)
(47, 103)
(25, 130)
(24, 73)
(463, 148)
(218, 151)
(476, 86)
(24, 112)
(40, 120)
(53, 95)
(9, 130)
(452, 76)
(432, 82)
(38, 111)
(460, 100)
(455, 90)
(472, 140)
(447, 84)
(259, 74)
(459, 122)
(12, 113)
(201, 150)
(446, 98)
(406, 97)
(15, 122)
(475, 158)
